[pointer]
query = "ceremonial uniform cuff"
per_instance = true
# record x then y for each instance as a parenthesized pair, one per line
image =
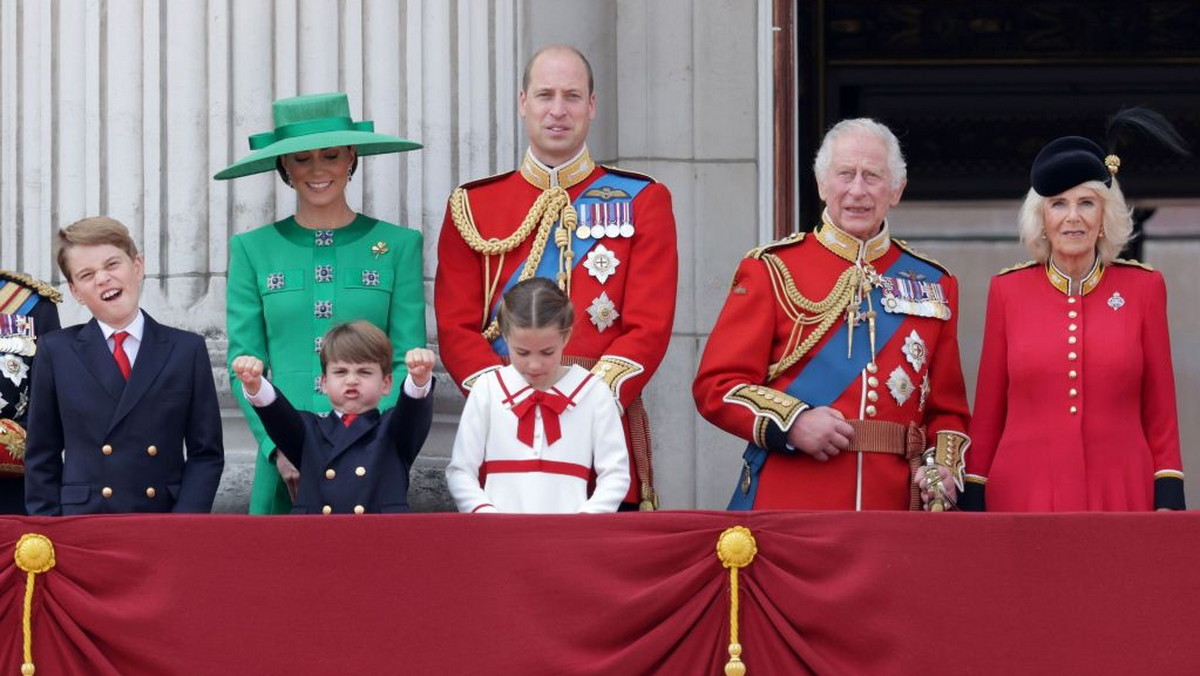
(469, 381)
(614, 371)
(973, 498)
(774, 438)
(774, 413)
(950, 451)
(1168, 490)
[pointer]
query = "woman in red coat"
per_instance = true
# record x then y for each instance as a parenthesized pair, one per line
(1075, 404)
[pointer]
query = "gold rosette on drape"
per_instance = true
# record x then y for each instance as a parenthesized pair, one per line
(34, 554)
(736, 548)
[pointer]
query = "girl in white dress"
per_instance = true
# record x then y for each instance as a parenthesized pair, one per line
(536, 432)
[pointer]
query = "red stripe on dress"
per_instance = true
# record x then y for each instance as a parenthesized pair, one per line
(486, 504)
(571, 397)
(544, 466)
(510, 397)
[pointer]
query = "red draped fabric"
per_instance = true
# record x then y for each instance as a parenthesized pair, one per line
(829, 593)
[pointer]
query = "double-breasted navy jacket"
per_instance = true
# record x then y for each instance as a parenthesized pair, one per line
(350, 470)
(99, 444)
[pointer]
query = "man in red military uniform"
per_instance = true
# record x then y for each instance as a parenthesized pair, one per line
(28, 310)
(607, 236)
(836, 353)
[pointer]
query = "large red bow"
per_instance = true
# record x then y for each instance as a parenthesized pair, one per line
(552, 405)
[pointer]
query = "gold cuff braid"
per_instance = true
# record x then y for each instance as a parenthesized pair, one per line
(767, 405)
(614, 371)
(950, 451)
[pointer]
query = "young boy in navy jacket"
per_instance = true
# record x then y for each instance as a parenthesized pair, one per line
(123, 413)
(353, 459)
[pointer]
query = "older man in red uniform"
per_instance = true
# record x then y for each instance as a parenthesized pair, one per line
(836, 353)
(606, 235)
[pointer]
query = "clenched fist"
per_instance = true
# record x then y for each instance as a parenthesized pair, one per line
(420, 365)
(249, 370)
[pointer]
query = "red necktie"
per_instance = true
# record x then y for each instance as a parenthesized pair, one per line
(119, 353)
(552, 404)
(348, 418)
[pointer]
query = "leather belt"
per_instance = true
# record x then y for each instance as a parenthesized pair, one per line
(880, 436)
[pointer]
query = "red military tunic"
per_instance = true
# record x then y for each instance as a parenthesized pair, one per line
(623, 289)
(1075, 405)
(783, 296)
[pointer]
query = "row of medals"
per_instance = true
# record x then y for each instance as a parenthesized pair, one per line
(17, 335)
(607, 220)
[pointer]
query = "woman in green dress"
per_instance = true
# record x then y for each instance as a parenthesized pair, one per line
(291, 281)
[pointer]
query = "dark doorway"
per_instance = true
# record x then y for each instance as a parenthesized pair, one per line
(975, 89)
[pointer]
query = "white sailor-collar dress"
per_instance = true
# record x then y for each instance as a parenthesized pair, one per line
(499, 464)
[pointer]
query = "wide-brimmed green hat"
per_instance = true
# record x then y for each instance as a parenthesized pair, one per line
(309, 123)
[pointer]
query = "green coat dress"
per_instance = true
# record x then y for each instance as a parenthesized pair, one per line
(289, 285)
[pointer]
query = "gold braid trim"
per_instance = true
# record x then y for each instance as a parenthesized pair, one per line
(805, 312)
(12, 437)
(551, 206)
(1018, 266)
(1134, 263)
(950, 451)
(42, 288)
(766, 403)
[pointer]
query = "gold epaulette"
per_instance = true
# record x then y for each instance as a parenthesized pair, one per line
(43, 289)
(487, 179)
(1135, 264)
(757, 252)
(917, 254)
(630, 173)
(1018, 266)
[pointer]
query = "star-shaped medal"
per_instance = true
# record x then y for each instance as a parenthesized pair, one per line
(603, 312)
(601, 263)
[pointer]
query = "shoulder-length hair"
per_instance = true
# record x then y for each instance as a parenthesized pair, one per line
(1117, 224)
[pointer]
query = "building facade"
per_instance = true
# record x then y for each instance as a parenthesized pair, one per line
(128, 107)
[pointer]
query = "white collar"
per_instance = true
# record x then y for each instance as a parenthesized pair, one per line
(135, 329)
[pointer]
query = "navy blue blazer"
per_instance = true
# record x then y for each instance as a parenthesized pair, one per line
(357, 469)
(98, 445)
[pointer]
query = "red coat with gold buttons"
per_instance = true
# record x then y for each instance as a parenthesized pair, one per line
(1075, 404)
(914, 379)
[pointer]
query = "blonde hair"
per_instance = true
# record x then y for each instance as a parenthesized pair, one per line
(94, 231)
(1117, 223)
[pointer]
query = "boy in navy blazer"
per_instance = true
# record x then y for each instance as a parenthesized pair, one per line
(353, 460)
(116, 401)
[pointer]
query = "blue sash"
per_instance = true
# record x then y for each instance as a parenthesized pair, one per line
(548, 266)
(827, 375)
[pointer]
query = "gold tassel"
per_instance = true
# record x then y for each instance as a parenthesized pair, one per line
(34, 554)
(736, 548)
